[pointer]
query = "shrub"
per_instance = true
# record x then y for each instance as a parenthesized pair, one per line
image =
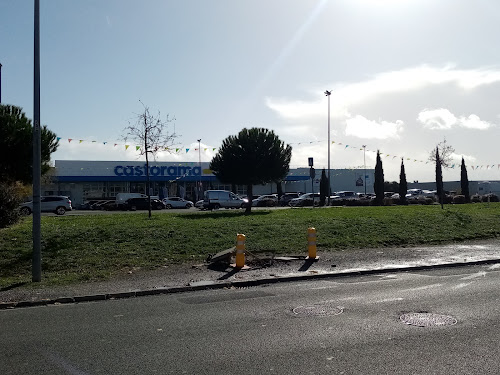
(11, 195)
(459, 199)
(475, 198)
(492, 198)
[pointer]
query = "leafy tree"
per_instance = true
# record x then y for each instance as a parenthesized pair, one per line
(254, 156)
(16, 145)
(323, 188)
(378, 185)
(151, 134)
(439, 178)
(464, 182)
(403, 185)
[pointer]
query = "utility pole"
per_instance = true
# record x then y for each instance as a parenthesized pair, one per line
(36, 271)
(364, 166)
(0, 83)
(328, 93)
(198, 189)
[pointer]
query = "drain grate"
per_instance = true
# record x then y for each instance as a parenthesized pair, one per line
(320, 309)
(427, 319)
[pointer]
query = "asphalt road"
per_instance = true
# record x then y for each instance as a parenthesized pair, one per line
(341, 326)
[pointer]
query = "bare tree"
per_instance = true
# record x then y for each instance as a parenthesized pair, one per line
(152, 135)
(445, 152)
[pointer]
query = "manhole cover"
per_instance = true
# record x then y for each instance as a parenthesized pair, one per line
(427, 319)
(323, 309)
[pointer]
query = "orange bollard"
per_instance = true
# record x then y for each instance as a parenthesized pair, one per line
(240, 250)
(311, 243)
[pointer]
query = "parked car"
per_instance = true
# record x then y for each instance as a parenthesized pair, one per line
(58, 204)
(109, 206)
(87, 205)
(99, 205)
(287, 197)
(265, 201)
(133, 204)
(121, 198)
(305, 200)
(215, 199)
(177, 202)
(199, 204)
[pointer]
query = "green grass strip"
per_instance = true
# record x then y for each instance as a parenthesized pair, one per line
(94, 247)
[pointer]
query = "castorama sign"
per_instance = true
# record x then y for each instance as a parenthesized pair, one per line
(167, 171)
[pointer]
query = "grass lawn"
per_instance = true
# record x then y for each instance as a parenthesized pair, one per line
(92, 247)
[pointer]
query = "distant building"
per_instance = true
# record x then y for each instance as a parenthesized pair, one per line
(87, 180)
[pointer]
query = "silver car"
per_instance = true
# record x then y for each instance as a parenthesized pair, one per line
(58, 204)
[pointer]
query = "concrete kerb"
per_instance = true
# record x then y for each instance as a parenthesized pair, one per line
(236, 284)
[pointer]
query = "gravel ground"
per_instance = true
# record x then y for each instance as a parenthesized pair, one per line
(266, 267)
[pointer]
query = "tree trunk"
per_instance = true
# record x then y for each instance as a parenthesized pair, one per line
(249, 196)
(147, 166)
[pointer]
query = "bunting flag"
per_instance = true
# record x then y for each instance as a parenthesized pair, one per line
(344, 146)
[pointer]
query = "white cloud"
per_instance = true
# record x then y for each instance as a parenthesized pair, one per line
(441, 119)
(400, 81)
(474, 122)
(437, 119)
(361, 127)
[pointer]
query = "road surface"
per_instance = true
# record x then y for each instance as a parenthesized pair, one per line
(340, 326)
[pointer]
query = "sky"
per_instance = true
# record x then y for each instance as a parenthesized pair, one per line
(404, 76)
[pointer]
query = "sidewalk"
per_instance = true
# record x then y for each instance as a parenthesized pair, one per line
(186, 277)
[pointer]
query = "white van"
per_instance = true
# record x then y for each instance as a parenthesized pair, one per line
(122, 197)
(215, 199)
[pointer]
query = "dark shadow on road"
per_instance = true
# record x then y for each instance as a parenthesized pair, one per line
(219, 214)
(307, 264)
(13, 286)
(233, 272)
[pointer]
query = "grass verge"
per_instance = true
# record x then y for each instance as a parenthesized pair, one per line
(93, 247)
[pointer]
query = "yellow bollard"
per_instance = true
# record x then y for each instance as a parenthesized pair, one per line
(240, 250)
(311, 243)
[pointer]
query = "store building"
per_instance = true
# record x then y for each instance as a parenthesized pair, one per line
(88, 180)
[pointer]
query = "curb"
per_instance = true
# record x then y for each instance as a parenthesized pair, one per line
(234, 284)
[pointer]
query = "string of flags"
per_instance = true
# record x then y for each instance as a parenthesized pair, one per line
(137, 148)
(179, 150)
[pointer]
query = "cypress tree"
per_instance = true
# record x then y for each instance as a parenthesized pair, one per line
(403, 185)
(378, 185)
(439, 179)
(464, 182)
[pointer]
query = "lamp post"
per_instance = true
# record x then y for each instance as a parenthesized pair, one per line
(0, 83)
(36, 268)
(328, 93)
(198, 190)
(364, 166)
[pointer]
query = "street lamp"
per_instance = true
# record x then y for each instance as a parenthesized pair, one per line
(0, 83)
(198, 190)
(364, 164)
(328, 93)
